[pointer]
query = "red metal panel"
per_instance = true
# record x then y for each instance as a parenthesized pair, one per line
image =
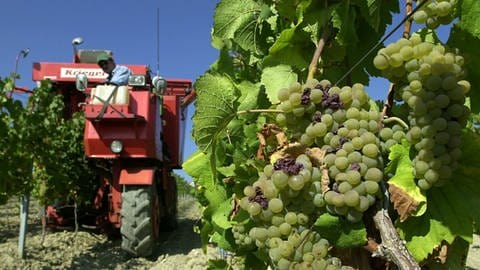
(172, 129)
(137, 176)
(136, 133)
(67, 72)
(177, 87)
(174, 120)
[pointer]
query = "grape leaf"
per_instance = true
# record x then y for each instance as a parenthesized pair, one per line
(290, 48)
(341, 233)
(205, 233)
(224, 63)
(227, 171)
(377, 12)
(451, 256)
(197, 166)
(275, 78)
(407, 198)
(287, 9)
(249, 98)
(450, 213)
(343, 19)
(469, 17)
(222, 240)
(220, 216)
(216, 105)
(238, 20)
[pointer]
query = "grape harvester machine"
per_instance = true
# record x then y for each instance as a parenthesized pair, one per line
(135, 134)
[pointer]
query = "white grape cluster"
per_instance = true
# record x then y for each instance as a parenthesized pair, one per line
(435, 12)
(283, 203)
(429, 81)
(343, 125)
(300, 249)
(291, 193)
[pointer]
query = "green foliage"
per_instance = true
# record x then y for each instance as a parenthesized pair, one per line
(265, 46)
(274, 78)
(400, 166)
(449, 214)
(183, 187)
(339, 232)
(15, 143)
(216, 107)
(42, 152)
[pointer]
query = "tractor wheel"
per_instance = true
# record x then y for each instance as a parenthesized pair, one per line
(140, 219)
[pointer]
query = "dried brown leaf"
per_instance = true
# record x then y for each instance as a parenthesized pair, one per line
(292, 150)
(325, 181)
(267, 131)
(235, 207)
(282, 139)
(316, 155)
(261, 147)
(402, 202)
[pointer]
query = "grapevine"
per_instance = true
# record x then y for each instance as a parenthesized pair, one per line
(42, 153)
(297, 168)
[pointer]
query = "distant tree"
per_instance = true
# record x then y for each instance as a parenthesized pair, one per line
(183, 186)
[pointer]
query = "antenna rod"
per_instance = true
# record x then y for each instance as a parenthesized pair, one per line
(158, 41)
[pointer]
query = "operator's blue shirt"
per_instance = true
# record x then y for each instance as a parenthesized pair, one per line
(119, 75)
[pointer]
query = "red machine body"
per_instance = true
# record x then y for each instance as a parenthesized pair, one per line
(136, 123)
(150, 127)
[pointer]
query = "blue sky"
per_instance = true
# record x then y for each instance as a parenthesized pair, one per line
(127, 27)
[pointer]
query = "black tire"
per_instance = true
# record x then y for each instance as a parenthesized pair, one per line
(139, 228)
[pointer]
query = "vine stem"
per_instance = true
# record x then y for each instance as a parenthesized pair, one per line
(260, 111)
(396, 119)
(407, 27)
(388, 104)
(326, 36)
(392, 247)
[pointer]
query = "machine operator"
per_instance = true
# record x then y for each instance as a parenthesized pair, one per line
(117, 74)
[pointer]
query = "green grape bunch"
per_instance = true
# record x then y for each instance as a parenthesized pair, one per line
(429, 80)
(294, 189)
(283, 203)
(434, 13)
(340, 122)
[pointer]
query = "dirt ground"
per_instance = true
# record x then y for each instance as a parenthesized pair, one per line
(178, 250)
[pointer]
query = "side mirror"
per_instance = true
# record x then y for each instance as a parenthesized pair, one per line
(81, 82)
(160, 84)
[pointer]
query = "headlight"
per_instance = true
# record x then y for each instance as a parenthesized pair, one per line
(136, 80)
(116, 146)
(81, 82)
